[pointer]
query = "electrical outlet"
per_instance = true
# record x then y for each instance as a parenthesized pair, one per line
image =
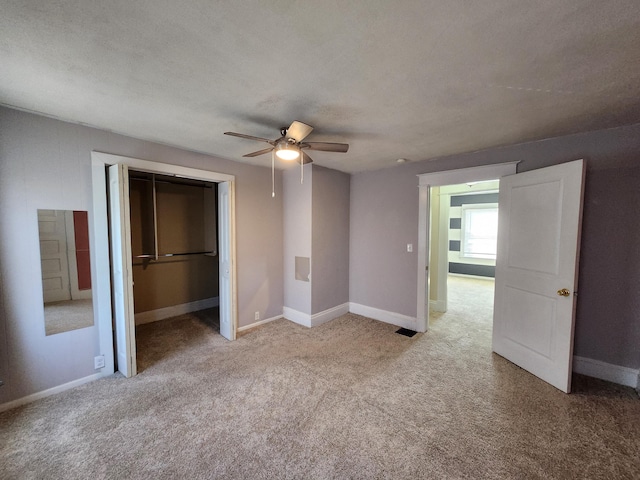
(257, 316)
(409, 247)
(98, 362)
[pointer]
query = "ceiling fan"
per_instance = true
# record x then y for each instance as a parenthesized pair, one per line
(291, 147)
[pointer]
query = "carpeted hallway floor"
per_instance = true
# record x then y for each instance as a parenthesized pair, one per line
(347, 399)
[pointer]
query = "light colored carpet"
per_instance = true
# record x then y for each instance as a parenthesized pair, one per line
(348, 399)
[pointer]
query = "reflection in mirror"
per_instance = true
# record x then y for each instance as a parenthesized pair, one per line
(66, 270)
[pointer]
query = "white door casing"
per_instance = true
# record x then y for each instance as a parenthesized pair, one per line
(122, 269)
(538, 246)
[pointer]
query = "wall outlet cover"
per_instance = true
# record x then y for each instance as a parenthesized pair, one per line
(98, 362)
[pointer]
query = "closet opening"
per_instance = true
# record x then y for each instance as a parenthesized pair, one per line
(175, 264)
(169, 232)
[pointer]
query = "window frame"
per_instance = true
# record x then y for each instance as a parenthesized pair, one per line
(463, 230)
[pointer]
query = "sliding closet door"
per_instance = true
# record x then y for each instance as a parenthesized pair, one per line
(227, 329)
(122, 269)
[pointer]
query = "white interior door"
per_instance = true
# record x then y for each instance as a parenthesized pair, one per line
(53, 255)
(227, 325)
(536, 270)
(122, 269)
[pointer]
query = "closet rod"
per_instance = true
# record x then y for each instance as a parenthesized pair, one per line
(152, 256)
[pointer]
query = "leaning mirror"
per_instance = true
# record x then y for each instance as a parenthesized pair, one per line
(66, 270)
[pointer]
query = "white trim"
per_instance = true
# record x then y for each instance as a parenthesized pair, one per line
(295, 316)
(606, 371)
(425, 182)
(175, 310)
(50, 391)
(316, 319)
(100, 264)
(472, 174)
(159, 167)
(329, 314)
(438, 305)
(258, 323)
(384, 316)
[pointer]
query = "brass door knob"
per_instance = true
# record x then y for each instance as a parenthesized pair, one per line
(563, 292)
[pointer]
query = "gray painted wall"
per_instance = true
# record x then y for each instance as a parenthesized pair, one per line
(45, 163)
(297, 235)
(384, 218)
(330, 239)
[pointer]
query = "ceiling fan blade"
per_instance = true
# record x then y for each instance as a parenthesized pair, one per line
(327, 147)
(298, 131)
(259, 152)
(306, 158)
(249, 137)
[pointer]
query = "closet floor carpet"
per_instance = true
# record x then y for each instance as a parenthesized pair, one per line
(348, 399)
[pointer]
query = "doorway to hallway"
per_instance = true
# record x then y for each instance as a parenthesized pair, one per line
(469, 310)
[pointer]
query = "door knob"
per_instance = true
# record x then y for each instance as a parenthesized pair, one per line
(563, 292)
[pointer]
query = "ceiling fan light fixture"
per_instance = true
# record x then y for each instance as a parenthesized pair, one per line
(286, 151)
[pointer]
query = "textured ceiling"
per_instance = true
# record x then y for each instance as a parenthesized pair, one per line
(412, 79)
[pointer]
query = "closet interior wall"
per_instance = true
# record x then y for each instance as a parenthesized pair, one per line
(183, 230)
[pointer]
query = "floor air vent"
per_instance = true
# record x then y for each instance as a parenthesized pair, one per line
(406, 332)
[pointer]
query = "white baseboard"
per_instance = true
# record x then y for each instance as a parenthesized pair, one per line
(296, 316)
(329, 314)
(384, 316)
(175, 310)
(606, 371)
(50, 391)
(316, 319)
(258, 323)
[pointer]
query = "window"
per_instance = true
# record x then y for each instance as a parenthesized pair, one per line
(479, 235)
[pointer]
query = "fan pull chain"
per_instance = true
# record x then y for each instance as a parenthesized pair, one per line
(301, 167)
(273, 180)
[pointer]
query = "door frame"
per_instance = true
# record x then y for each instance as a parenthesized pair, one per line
(100, 249)
(425, 182)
